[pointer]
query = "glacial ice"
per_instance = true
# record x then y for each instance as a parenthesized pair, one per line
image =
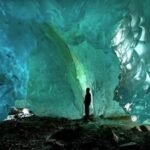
(132, 46)
(51, 50)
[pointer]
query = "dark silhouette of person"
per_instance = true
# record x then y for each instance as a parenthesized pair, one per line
(87, 102)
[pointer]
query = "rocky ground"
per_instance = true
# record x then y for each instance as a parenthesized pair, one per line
(43, 133)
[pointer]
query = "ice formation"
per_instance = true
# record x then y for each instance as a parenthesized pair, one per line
(51, 50)
(132, 46)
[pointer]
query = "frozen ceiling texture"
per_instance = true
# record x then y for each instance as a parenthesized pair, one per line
(51, 50)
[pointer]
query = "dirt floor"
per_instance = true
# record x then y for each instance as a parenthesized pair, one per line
(43, 133)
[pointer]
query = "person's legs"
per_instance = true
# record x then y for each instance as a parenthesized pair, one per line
(87, 111)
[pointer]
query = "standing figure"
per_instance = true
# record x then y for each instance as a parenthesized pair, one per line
(87, 102)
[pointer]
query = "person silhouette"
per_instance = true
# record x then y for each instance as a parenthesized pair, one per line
(87, 102)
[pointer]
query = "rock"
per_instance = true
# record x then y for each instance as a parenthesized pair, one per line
(130, 145)
(66, 134)
(143, 128)
(14, 111)
(116, 138)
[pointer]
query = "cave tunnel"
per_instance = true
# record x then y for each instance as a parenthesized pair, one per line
(51, 50)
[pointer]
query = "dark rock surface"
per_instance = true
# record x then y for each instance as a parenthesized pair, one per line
(43, 133)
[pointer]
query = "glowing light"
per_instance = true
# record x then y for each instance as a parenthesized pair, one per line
(128, 66)
(81, 76)
(80, 70)
(25, 111)
(127, 106)
(134, 118)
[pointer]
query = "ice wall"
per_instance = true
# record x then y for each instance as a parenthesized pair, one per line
(132, 46)
(60, 47)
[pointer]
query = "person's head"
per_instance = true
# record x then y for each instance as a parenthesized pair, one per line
(87, 90)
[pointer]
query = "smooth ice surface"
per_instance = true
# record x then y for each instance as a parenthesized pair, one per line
(51, 50)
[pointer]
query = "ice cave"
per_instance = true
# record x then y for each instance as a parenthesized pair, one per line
(51, 50)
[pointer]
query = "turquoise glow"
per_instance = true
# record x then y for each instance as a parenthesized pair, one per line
(51, 50)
